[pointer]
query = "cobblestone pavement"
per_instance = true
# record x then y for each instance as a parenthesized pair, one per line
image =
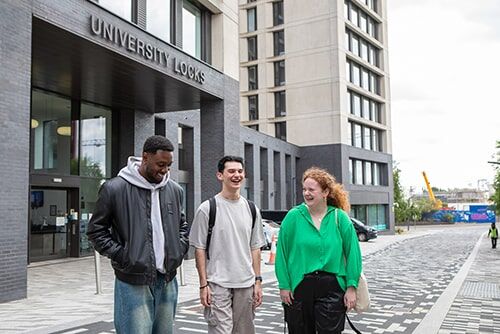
(476, 309)
(405, 280)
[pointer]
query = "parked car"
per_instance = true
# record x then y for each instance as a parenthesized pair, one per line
(270, 229)
(364, 232)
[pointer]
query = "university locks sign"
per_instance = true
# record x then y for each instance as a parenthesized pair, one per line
(146, 50)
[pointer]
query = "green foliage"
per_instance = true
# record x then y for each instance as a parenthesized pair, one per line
(404, 209)
(424, 205)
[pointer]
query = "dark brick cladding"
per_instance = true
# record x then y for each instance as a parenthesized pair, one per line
(15, 69)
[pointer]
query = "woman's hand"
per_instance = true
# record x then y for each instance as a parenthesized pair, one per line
(286, 297)
(350, 298)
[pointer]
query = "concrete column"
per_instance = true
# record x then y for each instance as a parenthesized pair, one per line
(144, 127)
(219, 134)
(15, 92)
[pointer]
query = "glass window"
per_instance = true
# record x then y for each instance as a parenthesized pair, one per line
(254, 127)
(348, 98)
(355, 45)
(364, 50)
(279, 73)
(357, 136)
(52, 133)
(363, 21)
(158, 18)
(375, 141)
(191, 29)
(366, 138)
(346, 10)
(280, 104)
(279, 42)
(347, 45)
(365, 81)
(351, 171)
(368, 173)
(374, 83)
(348, 71)
(122, 8)
(95, 141)
(366, 108)
(358, 170)
(278, 13)
(354, 15)
(381, 222)
(251, 19)
(372, 215)
(253, 107)
(376, 174)
(349, 133)
(252, 48)
(252, 78)
(355, 74)
(280, 130)
(357, 105)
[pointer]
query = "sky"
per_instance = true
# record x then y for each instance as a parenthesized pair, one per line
(444, 66)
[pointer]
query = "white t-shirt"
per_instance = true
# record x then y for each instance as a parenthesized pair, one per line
(230, 263)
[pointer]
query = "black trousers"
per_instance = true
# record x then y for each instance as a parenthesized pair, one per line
(493, 242)
(318, 306)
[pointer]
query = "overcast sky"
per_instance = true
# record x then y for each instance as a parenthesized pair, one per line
(444, 60)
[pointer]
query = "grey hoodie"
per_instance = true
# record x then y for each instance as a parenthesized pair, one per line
(131, 174)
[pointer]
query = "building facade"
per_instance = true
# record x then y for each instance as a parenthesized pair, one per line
(317, 76)
(84, 83)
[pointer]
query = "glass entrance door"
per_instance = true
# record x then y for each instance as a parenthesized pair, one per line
(48, 224)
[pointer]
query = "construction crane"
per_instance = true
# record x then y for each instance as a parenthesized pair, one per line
(436, 202)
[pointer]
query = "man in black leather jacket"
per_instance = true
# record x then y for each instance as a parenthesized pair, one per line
(140, 225)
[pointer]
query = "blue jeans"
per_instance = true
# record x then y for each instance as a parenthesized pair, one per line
(145, 309)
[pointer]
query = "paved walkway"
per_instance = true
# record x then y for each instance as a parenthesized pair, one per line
(61, 294)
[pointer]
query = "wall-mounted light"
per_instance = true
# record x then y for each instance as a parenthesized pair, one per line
(64, 130)
(34, 123)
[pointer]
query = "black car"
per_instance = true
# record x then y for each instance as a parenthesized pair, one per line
(364, 232)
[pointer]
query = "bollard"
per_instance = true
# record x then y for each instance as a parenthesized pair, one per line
(97, 262)
(181, 273)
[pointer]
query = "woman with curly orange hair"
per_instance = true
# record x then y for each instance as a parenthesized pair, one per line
(318, 259)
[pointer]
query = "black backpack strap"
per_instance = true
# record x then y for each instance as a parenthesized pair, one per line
(253, 210)
(211, 222)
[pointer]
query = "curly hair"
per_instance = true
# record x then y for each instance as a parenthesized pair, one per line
(337, 196)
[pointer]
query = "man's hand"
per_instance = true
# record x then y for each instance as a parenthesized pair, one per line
(350, 298)
(286, 297)
(206, 296)
(257, 294)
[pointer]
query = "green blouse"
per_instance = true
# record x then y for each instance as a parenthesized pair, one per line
(302, 248)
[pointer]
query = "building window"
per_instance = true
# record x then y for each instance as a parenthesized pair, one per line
(279, 73)
(253, 107)
(252, 48)
(278, 13)
(358, 140)
(358, 172)
(121, 8)
(279, 42)
(254, 127)
(158, 18)
(252, 78)
(280, 104)
(280, 130)
(191, 29)
(252, 19)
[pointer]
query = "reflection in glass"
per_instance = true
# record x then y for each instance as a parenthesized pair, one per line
(89, 188)
(251, 19)
(122, 8)
(158, 18)
(95, 141)
(191, 29)
(51, 151)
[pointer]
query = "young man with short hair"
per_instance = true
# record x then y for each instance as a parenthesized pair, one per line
(230, 281)
(140, 225)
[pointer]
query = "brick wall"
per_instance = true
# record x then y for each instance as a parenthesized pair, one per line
(15, 82)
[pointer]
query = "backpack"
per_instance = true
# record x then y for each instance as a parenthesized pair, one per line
(211, 219)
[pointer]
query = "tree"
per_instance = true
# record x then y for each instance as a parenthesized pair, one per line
(496, 183)
(402, 206)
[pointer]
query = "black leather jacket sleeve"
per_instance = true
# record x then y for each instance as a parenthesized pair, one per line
(99, 229)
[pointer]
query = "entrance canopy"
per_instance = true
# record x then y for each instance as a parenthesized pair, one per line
(88, 68)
